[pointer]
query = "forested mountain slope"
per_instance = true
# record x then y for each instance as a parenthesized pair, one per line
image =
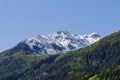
(99, 61)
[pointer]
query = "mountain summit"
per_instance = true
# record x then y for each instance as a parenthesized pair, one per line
(55, 43)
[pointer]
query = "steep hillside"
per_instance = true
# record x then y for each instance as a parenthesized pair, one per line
(96, 62)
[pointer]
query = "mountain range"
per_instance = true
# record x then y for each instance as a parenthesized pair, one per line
(98, 61)
(57, 42)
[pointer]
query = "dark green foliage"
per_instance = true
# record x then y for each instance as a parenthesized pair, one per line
(99, 61)
(18, 65)
(110, 74)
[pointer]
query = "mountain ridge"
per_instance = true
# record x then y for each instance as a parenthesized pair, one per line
(99, 61)
(57, 42)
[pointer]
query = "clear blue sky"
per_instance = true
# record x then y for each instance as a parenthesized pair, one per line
(20, 19)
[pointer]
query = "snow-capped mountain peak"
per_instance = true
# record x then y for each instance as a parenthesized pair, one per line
(94, 35)
(57, 42)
